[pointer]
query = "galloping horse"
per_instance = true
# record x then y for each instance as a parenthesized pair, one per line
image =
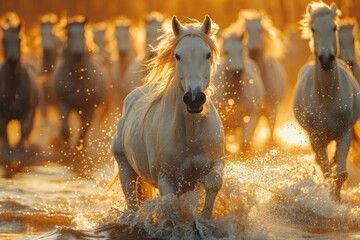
(136, 71)
(122, 56)
(326, 100)
(265, 46)
(50, 45)
(19, 91)
(349, 45)
(240, 91)
(80, 82)
(170, 134)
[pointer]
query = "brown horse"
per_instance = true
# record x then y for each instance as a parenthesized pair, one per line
(80, 82)
(19, 91)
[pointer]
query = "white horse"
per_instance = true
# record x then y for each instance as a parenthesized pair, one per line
(122, 56)
(349, 45)
(136, 70)
(266, 48)
(240, 91)
(170, 134)
(326, 100)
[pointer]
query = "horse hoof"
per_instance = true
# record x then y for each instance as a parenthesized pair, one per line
(338, 182)
(197, 234)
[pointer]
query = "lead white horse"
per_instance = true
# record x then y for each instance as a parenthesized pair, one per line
(170, 134)
(326, 100)
(240, 91)
(265, 46)
(349, 45)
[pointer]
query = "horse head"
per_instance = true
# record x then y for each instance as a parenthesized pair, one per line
(254, 31)
(122, 35)
(76, 38)
(233, 51)
(193, 64)
(153, 26)
(347, 41)
(323, 28)
(11, 27)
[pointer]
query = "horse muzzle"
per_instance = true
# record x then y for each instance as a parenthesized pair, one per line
(326, 61)
(194, 101)
(236, 73)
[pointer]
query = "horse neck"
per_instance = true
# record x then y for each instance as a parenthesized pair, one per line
(13, 71)
(327, 82)
(48, 60)
(257, 57)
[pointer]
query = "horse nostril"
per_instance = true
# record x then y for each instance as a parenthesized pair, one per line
(194, 102)
(187, 98)
(201, 98)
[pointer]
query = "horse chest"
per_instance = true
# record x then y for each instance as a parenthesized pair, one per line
(15, 99)
(324, 115)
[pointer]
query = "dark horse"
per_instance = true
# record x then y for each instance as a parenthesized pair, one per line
(80, 83)
(19, 91)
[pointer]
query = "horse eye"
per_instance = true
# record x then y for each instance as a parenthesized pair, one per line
(208, 55)
(312, 29)
(334, 28)
(178, 58)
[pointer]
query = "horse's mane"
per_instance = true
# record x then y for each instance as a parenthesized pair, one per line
(318, 9)
(273, 43)
(11, 20)
(154, 17)
(351, 23)
(233, 31)
(161, 68)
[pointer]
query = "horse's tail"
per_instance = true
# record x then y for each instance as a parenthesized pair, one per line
(113, 181)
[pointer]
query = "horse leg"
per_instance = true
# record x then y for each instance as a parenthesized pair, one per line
(86, 118)
(270, 114)
(248, 132)
(26, 127)
(3, 133)
(128, 177)
(319, 147)
(167, 185)
(212, 182)
(342, 149)
(65, 132)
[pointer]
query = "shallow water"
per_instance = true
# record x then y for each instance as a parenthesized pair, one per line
(277, 193)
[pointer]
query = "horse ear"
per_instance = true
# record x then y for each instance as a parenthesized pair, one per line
(241, 37)
(333, 9)
(176, 26)
(309, 9)
(85, 20)
(206, 26)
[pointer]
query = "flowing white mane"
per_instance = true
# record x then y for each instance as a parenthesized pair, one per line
(273, 43)
(161, 68)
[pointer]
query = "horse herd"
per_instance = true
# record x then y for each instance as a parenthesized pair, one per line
(184, 91)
